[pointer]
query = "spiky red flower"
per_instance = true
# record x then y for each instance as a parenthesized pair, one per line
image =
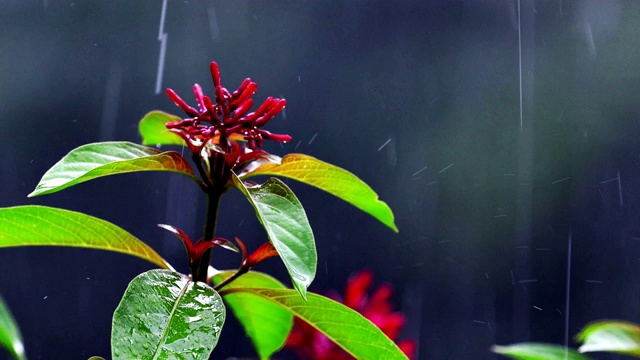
(309, 343)
(217, 123)
(213, 129)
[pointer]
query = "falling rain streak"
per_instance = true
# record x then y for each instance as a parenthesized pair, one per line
(520, 61)
(567, 294)
(561, 180)
(617, 178)
(313, 138)
(419, 171)
(384, 144)
(162, 37)
(445, 168)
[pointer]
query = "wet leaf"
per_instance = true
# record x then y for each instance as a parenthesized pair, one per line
(612, 336)
(32, 225)
(10, 337)
(282, 215)
(267, 324)
(538, 351)
(96, 160)
(154, 132)
(332, 179)
(164, 315)
(344, 326)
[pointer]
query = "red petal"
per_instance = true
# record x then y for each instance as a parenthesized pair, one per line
(241, 110)
(379, 302)
(356, 293)
(390, 324)
(246, 94)
(209, 106)
(264, 252)
(241, 89)
(215, 73)
(408, 347)
(275, 109)
(197, 91)
(220, 97)
(266, 105)
(275, 137)
(181, 104)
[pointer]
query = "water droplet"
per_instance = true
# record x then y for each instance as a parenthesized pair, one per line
(194, 318)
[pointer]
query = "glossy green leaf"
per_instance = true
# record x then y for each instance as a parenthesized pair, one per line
(344, 326)
(538, 351)
(164, 315)
(612, 336)
(154, 132)
(266, 324)
(282, 215)
(10, 337)
(95, 160)
(332, 179)
(32, 225)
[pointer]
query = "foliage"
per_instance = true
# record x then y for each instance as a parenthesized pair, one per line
(165, 314)
(605, 335)
(309, 343)
(10, 337)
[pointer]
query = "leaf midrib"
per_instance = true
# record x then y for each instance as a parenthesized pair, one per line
(166, 328)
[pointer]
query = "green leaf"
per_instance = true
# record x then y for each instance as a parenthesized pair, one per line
(96, 358)
(538, 351)
(10, 337)
(612, 336)
(154, 132)
(267, 324)
(164, 315)
(332, 179)
(32, 225)
(95, 160)
(344, 326)
(282, 215)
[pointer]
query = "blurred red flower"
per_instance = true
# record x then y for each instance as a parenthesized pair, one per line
(309, 343)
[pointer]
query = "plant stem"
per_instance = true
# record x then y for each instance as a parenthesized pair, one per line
(200, 269)
(206, 183)
(236, 275)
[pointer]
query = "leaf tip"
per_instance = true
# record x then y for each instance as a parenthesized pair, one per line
(302, 290)
(38, 191)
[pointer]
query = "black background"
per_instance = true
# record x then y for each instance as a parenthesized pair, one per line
(525, 115)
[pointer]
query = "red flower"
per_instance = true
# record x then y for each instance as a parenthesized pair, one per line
(228, 116)
(211, 131)
(308, 343)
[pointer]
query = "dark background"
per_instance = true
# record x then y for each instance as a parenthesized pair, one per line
(525, 115)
